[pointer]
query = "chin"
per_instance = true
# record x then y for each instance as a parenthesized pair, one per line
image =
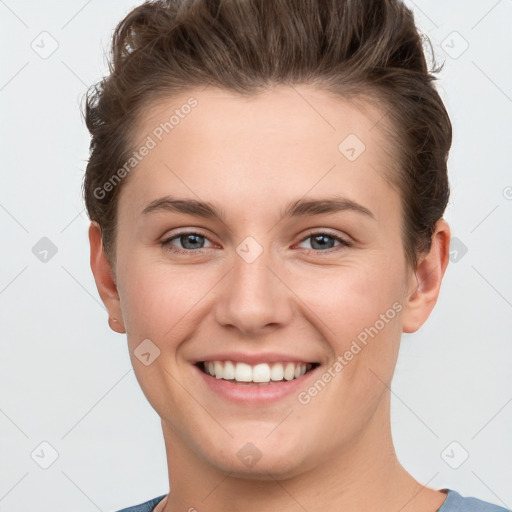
(261, 459)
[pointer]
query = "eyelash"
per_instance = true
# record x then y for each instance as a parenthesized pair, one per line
(167, 242)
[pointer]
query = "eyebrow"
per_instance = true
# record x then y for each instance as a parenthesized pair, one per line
(297, 208)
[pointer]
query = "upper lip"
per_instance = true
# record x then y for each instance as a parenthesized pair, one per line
(252, 359)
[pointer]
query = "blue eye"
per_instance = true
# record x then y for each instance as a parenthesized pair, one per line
(190, 241)
(193, 242)
(324, 241)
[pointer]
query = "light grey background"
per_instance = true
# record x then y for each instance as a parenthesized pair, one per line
(66, 379)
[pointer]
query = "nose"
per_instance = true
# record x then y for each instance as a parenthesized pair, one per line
(254, 296)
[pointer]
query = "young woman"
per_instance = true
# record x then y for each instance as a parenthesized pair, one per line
(266, 186)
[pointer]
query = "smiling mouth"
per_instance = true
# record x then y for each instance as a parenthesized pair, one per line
(258, 374)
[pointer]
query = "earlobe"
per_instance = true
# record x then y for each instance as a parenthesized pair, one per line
(427, 282)
(115, 325)
(104, 277)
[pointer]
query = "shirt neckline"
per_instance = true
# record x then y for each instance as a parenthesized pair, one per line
(451, 496)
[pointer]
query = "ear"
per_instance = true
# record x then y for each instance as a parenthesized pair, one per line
(425, 285)
(105, 281)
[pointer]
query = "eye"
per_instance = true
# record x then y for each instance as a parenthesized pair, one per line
(323, 241)
(189, 241)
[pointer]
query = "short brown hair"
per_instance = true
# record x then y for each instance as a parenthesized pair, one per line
(368, 49)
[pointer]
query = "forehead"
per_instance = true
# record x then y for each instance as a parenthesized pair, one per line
(283, 142)
(283, 114)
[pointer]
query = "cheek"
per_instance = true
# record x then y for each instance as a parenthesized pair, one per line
(348, 299)
(156, 301)
(358, 311)
(154, 298)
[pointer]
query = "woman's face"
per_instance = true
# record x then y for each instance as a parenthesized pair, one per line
(263, 276)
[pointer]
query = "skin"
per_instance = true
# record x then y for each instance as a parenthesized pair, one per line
(252, 156)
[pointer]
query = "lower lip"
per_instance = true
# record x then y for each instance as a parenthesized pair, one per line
(252, 394)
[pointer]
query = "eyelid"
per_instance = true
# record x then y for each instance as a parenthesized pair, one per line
(186, 231)
(343, 242)
(166, 241)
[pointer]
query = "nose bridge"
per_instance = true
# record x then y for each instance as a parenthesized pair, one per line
(252, 296)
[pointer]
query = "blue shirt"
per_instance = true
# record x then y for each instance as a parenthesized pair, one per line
(454, 502)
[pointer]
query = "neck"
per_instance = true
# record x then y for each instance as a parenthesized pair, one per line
(363, 476)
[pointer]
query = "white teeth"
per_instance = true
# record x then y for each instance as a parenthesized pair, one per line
(243, 372)
(289, 371)
(260, 373)
(276, 372)
(229, 371)
(217, 366)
